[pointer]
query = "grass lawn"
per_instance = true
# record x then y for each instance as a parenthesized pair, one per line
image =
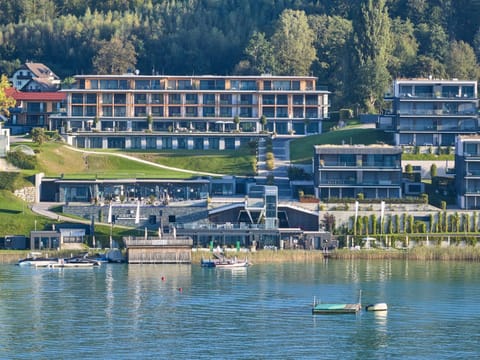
(16, 217)
(301, 150)
(55, 159)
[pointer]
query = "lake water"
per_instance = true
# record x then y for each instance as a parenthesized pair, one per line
(263, 312)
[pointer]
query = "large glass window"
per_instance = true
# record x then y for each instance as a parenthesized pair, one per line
(225, 111)
(208, 111)
(157, 110)
(157, 98)
(174, 111)
(142, 84)
(208, 99)
(246, 99)
(281, 85)
(120, 98)
(91, 98)
(107, 98)
(268, 99)
(282, 100)
(140, 98)
(140, 111)
(282, 112)
(77, 110)
(120, 111)
(311, 100)
(191, 111)
(191, 99)
(34, 107)
(90, 110)
(174, 99)
(77, 98)
(184, 84)
(107, 110)
(225, 99)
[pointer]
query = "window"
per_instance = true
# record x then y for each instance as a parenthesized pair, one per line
(282, 100)
(91, 98)
(77, 98)
(225, 99)
(120, 111)
(191, 111)
(120, 99)
(142, 84)
(157, 110)
(209, 111)
(174, 99)
(107, 110)
(157, 98)
(77, 110)
(225, 111)
(208, 99)
(268, 99)
(191, 99)
(107, 98)
(140, 98)
(174, 111)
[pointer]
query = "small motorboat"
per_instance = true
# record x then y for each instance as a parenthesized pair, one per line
(377, 307)
(36, 259)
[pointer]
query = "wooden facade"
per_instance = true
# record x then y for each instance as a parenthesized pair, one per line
(166, 250)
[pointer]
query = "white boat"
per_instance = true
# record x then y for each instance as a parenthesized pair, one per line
(36, 259)
(232, 263)
(377, 307)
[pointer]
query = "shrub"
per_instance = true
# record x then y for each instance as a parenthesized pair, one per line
(21, 160)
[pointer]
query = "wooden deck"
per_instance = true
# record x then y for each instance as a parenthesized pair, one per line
(336, 308)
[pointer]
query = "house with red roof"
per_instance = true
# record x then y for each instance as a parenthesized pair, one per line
(33, 109)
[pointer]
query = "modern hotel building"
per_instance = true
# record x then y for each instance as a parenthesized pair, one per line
(428, 112)
(133, 111)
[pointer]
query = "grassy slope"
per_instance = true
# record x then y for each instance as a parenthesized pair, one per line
(55, 159)
(301, 150)
(16, 218)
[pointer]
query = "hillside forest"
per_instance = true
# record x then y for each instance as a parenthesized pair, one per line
(354, 47)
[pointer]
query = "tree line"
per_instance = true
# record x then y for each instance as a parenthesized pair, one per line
(355, 47)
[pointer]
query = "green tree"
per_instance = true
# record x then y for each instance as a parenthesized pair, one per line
(461, 62)
(260, 54)
(38, 135)
(332, 40)
(115, 57)
(6, 101)
(405, 47)
(293, 43)
(373, 46)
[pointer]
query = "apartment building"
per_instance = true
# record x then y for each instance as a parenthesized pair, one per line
(188, 112)
(467, 171)
(426, 112)
(345, 171)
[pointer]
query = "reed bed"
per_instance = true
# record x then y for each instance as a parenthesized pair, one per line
(453, 253)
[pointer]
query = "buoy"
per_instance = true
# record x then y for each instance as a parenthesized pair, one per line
(180, 289)
(377, 307)
(163, 278)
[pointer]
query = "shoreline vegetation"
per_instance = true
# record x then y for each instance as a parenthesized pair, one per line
(421, 253)
(453, 253)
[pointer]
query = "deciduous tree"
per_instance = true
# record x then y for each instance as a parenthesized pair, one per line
(293, 44)
(115, 57)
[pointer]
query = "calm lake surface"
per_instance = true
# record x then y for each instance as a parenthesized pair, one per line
(263, 312)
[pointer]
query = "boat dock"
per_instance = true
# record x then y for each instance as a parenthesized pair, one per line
(337, 308)
(164, 250)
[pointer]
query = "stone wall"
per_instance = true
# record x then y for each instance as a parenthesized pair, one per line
(27, 194)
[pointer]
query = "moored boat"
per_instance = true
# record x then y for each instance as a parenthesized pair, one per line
(36, 259)
(377, 307)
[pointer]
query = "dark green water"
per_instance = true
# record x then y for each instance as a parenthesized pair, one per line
(263, 312)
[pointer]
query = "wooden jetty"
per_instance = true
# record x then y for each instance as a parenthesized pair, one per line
(164, 250)
(336, 308)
